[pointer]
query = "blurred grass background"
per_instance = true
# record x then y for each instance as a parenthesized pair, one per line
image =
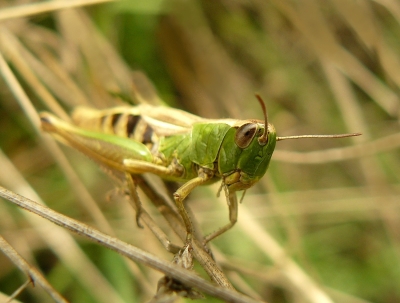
(322, 67)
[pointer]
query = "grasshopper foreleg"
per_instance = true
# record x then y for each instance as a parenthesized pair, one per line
(182, 193)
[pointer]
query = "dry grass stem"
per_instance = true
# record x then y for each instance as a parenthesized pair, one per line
(33, 275)
(125, 249)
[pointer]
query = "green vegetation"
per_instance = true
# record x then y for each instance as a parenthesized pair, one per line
(323, 67)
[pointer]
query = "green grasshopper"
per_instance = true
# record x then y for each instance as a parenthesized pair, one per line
(177, 146)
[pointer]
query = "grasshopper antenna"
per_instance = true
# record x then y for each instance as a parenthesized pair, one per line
(264, 137)
(318, 136)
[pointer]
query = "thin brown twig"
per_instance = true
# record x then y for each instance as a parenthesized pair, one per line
(203, 257)
(34, 275)
(125, 249)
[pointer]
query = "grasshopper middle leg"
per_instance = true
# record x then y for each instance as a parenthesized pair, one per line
(233, 214)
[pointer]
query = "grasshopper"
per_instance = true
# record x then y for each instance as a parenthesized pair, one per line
(177, 146)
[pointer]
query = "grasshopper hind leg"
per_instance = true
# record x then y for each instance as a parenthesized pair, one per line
(133, 182)
(135, 197)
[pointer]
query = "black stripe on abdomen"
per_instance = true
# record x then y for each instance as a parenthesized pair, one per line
(131, 124)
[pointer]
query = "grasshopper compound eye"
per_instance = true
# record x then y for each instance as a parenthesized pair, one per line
(245, 134)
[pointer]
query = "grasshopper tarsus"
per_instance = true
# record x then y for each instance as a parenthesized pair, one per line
(138, 213)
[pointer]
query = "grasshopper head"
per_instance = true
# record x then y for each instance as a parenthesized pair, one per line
(253, 149)
(247, 149)
(246, 152)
